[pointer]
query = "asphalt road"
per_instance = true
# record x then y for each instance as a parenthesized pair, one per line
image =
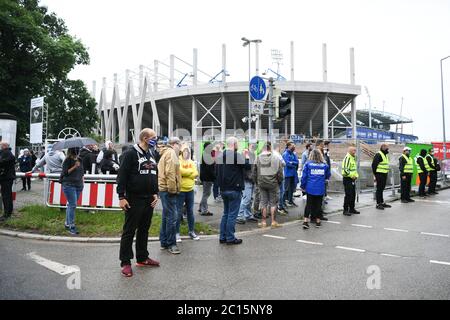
(408, 248)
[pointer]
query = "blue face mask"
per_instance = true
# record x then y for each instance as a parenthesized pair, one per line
(152, 143)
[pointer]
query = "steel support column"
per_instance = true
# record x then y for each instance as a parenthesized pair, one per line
(170, 119)
(325, 117)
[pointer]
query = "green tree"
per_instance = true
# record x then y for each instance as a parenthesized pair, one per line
(36, 55)
(71, 106)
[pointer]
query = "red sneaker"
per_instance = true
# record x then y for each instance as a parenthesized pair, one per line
(148, 263)
(127, 271)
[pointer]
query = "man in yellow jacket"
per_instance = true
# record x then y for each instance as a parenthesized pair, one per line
(189, 172)
(169, 184)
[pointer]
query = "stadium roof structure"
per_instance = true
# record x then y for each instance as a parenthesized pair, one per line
(179, 95)
(380, 119)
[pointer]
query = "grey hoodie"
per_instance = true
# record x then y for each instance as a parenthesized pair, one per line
(268, 171)
(53, 160)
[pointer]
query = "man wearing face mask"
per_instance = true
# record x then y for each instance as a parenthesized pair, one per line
(406, 172)
(380, 169)
(137, 187)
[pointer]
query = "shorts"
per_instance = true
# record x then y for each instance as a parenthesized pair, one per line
(269, 197)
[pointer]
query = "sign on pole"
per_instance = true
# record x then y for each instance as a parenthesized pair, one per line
(258, 88)
(36, 120)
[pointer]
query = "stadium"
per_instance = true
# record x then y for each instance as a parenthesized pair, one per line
(179, 95)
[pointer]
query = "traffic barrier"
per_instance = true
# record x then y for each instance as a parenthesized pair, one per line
(99, 191)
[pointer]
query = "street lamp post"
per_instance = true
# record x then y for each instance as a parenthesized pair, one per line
(247, 42)
(443, 111)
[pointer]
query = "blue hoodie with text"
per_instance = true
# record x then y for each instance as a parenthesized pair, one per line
(314, 177)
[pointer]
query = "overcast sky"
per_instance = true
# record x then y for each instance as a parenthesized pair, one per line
(398, 43)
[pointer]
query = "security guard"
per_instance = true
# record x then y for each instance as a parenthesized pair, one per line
(350, 175)
(431, 161)
(422, 169)
(380, 169)
(406, 172)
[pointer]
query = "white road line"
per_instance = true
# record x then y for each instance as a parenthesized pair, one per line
(274, 237)
(309, 242)
(434, 201)
(396, 230)
(333, 222)
(440, 262)
(362, 226)
(389, 255)
(350, 249)
(435, 234)
(52, 265)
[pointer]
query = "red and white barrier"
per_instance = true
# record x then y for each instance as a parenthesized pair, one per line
(94, 195)
(99, 191)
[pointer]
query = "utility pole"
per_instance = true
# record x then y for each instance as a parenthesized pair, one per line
(271, 111)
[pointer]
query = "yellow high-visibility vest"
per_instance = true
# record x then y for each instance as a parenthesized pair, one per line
(383, 166)
(419, 169)
(349, 167)
(409, 165)
(427, 165)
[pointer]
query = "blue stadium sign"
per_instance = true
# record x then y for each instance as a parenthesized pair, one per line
(258, 88)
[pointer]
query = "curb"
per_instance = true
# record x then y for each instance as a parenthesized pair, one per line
(39, 237)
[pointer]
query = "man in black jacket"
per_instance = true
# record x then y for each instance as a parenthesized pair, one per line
(137, 186)
(7, 177)
(207, 177)
(380, 169)
(432, 162)
(422, 171)
(406, 172)
(230, 177)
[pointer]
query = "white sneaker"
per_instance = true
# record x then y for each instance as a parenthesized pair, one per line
(179, 238)
(194, 236)
(304, 197)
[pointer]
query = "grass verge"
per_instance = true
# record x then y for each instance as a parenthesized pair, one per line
(50, 221)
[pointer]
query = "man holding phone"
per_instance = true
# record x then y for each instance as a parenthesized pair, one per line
(137, 187)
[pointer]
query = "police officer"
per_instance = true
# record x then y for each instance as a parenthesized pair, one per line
(406, 172)
(422, 169)
(350, 175)
(432, 162)
(380, 169)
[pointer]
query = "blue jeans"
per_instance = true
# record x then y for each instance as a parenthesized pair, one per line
(167, 234)
(188, 198)
(289, 185)
(72, 195)
(246, 203)
(216, 190)
(231, 201)
(281, 205)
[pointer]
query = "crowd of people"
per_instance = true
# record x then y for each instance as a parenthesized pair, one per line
(255, 185)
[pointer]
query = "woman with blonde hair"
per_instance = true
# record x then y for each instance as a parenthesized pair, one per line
(315, 174)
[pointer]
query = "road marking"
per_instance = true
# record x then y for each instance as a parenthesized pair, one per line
(333, 222)
(389, 255)
(309, 242)
(440, 262)
(350, 249)
(57, 267)
(274, 237)
(396, 230)
(434, 201)
(362, 226)
(435, 234)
